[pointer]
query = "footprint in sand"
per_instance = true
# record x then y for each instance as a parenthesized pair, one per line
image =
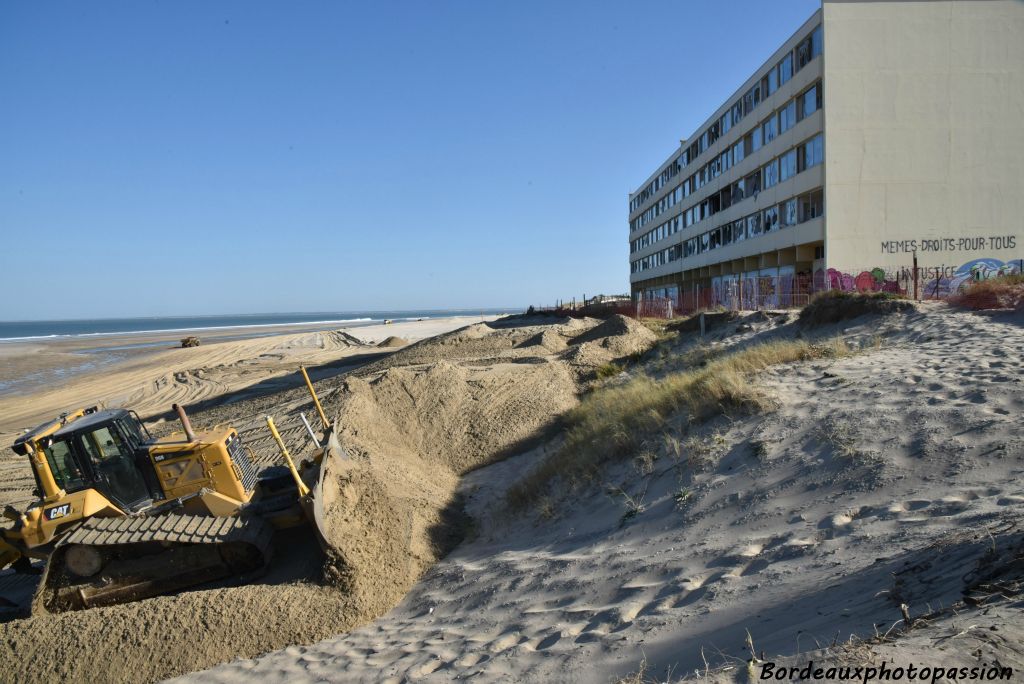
(691, 598)
(1010, 500)
(471, 659)
(504, 643)
(548, 641)
(755, 567)
(429, 666)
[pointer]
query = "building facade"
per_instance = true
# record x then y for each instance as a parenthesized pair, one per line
(881, 131)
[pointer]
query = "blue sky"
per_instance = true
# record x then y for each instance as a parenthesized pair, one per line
(162, 158)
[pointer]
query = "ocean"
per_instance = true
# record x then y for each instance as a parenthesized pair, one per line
(21, 331)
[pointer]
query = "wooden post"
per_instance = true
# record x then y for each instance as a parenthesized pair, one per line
(702, 324)
(916, 293)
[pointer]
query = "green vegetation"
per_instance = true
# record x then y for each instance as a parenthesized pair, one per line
(609, 370)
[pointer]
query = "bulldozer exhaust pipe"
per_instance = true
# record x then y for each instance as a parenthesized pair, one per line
(186, 424)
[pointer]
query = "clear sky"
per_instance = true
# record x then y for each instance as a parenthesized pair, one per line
(162, 158)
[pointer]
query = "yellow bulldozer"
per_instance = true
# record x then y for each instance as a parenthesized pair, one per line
(122, 516)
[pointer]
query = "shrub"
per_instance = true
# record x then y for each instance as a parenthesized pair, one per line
(1003, 292)
(608, 370)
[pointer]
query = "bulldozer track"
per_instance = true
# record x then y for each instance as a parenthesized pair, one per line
(195, 549)
(171, 528)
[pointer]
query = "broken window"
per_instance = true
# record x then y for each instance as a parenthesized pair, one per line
(788, 217)
(811, 205)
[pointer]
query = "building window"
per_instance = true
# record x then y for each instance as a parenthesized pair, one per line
(754, 225)
(788, 217)
(811, 153)
(716, 238)
(770, 219)
(739, 230)
(787, 117)
(769, 130)
(737, 152)
(787, 165)
(803, 53)
(753, 184)
(771, 82)
(786, 68)
(811, 205)
(809, 101)
(770, 172)
(816, 42)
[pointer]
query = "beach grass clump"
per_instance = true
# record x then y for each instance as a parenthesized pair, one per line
(838, 305)
(1002, 292)
(608, 370)
(613, 423)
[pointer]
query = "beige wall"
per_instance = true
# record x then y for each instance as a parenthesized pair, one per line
(924, 132)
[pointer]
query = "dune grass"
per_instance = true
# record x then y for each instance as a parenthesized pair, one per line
(833, 306)
(611, 423)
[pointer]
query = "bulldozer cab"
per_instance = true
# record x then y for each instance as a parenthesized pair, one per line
(102, 451)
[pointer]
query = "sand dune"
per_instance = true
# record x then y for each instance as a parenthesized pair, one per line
(807, 526)
(413, 422)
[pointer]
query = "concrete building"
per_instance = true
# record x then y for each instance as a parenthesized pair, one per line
(879, 130)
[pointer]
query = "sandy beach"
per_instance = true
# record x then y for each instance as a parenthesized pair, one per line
(150, 372)
(879, 468)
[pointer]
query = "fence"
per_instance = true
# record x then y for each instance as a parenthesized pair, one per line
(754, 292)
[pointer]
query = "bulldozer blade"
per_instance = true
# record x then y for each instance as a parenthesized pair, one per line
(334, 464)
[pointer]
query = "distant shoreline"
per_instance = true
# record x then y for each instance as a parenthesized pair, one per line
(26, 365)
(14, 332)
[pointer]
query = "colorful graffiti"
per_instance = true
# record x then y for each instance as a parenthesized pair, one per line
(936, 282)
(940, 283)
(874, 280)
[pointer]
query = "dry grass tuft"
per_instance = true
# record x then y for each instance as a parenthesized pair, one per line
(608, 370)
(837, 305)
(1003, 292)
(612, 423)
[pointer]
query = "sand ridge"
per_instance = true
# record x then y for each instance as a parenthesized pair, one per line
(802, 525)
(411, 423)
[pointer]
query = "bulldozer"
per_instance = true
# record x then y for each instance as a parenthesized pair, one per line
(122, 516)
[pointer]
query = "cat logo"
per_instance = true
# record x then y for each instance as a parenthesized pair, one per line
(57, 512)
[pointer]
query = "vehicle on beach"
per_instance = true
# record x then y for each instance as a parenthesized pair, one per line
(122, 516)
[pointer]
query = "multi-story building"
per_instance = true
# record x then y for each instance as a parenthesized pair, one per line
(881, 130)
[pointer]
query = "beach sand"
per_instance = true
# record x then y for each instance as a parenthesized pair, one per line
(890, 476)
(50, 378)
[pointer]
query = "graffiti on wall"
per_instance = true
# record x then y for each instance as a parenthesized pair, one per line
(942, 282)
(935, 281)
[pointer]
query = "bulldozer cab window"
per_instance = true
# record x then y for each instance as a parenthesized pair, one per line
(113, 462)
(130, 429)
(104, 444)
(65, 469)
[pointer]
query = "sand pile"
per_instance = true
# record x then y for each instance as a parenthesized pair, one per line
(392, 341)
(620, 335)
(412, 423)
